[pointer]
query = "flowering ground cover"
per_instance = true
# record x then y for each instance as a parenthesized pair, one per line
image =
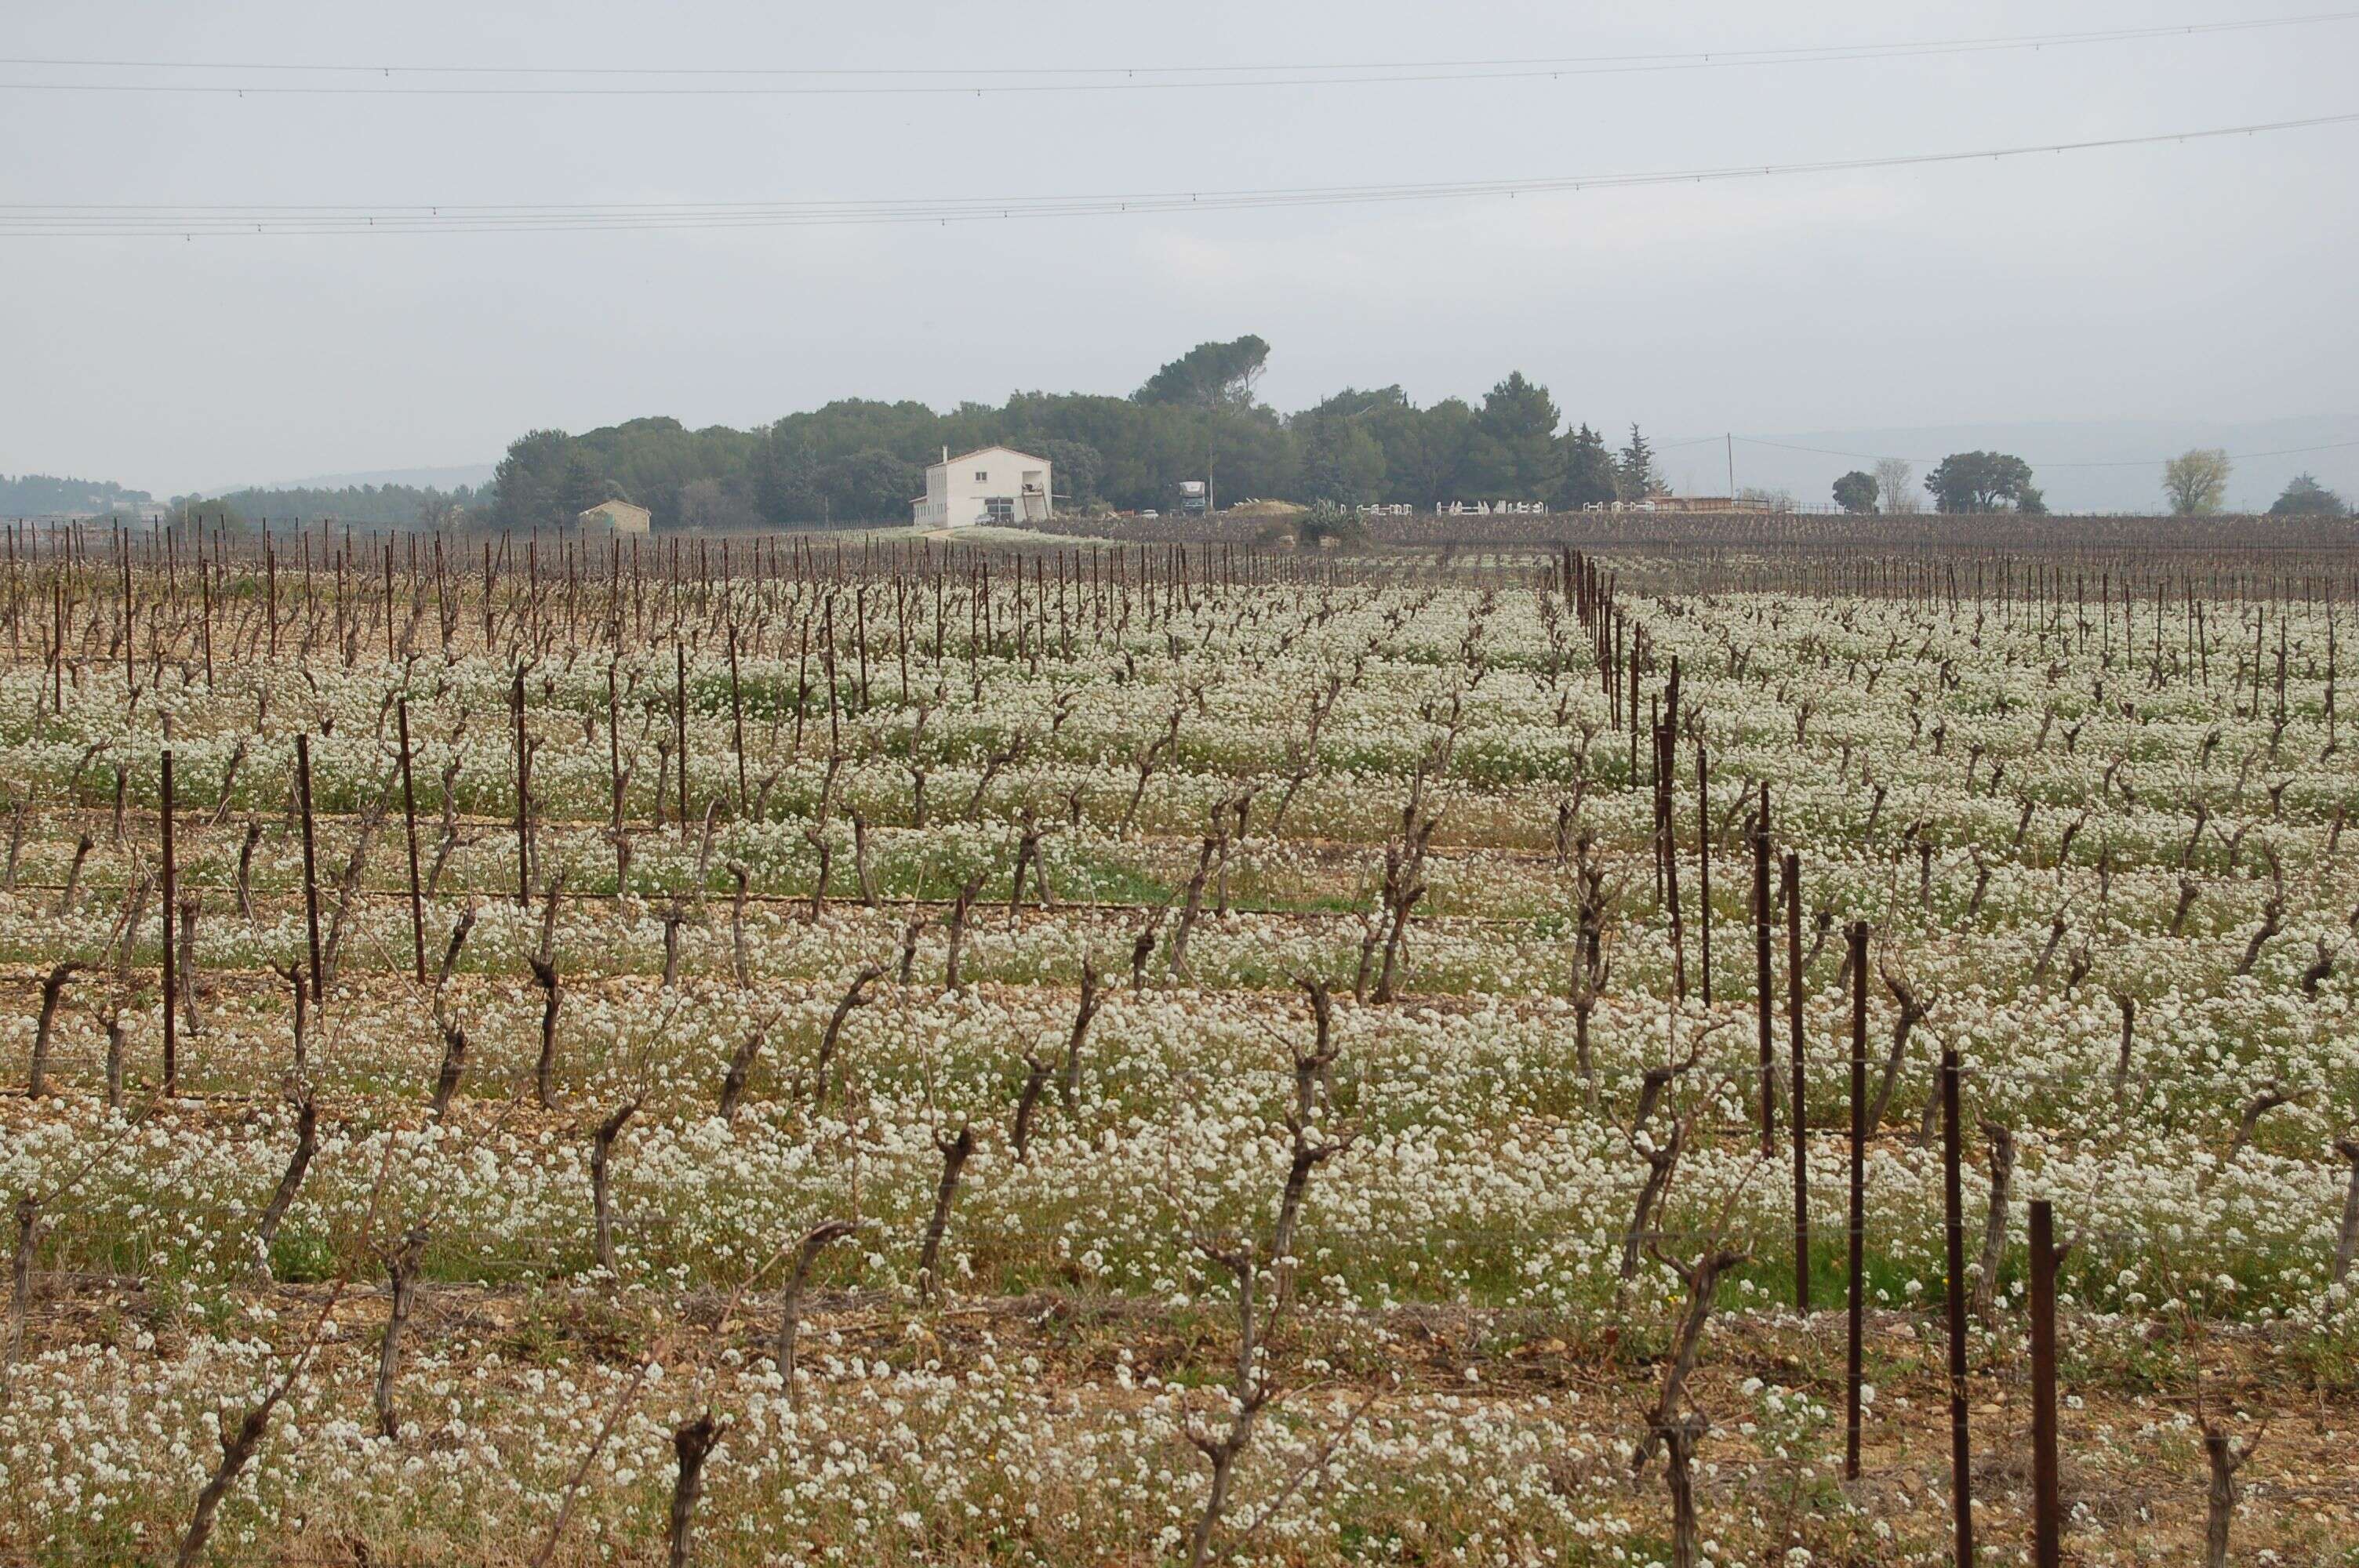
(1079, 1056)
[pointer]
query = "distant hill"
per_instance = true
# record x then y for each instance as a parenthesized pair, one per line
(472, 475)
(41, 495)
(383, 498)
(369, 505)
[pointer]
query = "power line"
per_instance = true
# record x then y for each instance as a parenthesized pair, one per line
(1002, 80)
(97, 220)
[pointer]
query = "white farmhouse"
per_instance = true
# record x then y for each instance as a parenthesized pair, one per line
(990, 484)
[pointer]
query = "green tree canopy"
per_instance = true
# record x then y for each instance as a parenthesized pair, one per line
(1209, 375)
(1511, 453)
(2196, 480)
(1984, 481)
(1342, 464)
(369, 505)
(1635, 471)
(1425, 451)
(31, 494)
(1348, 440)
(1194, 419)
(2303, 496)
(784, 479)
(1590, 478)
(1074, 468)
(216, 513)
(537, 482)
(872, 486)
(1855, 491)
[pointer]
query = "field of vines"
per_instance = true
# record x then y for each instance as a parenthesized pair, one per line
(774, 1051)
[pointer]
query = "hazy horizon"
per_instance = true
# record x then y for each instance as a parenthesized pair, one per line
(2119, 477)
(2183, 285)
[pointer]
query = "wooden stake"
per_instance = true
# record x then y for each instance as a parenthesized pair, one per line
(1703, 869)
(679, 724)
(736, 715)
(171, 971)
(2047, 1508)
(1955, 1237)
(1764, 1003)
(310, 865)
(130, 623)
(524, 804)
(1793, 878)
(1858, 1237)
(409, 818)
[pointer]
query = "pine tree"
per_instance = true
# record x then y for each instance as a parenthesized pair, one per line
(1636, 470)
(1590, 478)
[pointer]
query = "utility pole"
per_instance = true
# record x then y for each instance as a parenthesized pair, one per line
(1211, 501)
(1731, 441)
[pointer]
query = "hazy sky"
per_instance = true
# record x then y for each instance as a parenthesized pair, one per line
(2205, 281)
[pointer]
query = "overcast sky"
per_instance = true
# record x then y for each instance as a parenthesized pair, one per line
(2205, 281)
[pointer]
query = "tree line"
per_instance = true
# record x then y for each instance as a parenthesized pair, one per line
(370, 505)
(2195, 483)
(40, 494)
(1197, 418)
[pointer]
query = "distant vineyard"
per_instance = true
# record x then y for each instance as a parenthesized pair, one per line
(1754, 530)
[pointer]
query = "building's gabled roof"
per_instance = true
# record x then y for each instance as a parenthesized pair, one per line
(610, 507)
(1012, 451)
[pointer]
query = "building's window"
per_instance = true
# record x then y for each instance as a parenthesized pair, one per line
(982, 477)
(1000, 508)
